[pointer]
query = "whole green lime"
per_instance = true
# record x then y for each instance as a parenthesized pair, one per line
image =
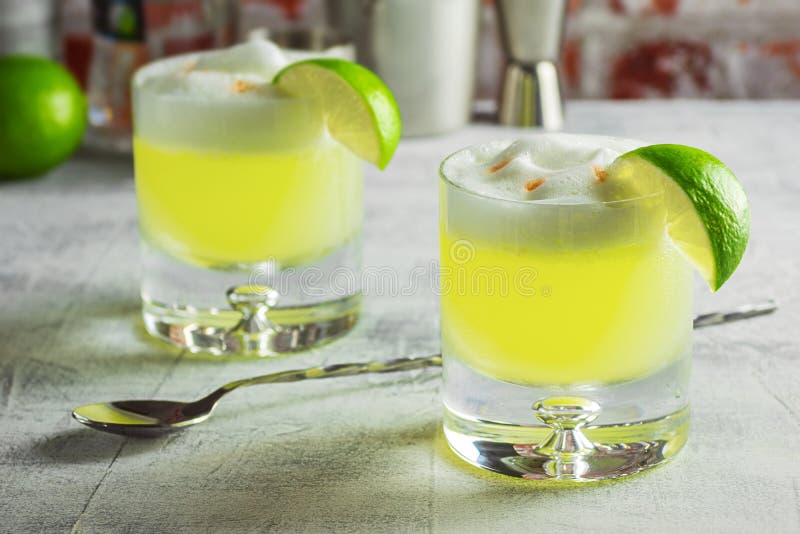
(42, 115)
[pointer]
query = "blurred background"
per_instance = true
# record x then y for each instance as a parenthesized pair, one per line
(682, 48)
(618, 49)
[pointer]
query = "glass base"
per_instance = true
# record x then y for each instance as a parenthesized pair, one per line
(215, 331)
(579, 432)
(545, 453)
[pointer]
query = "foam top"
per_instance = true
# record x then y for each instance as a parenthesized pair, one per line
(565, 206)
(214, 75)
(553, 168)
(224, 99)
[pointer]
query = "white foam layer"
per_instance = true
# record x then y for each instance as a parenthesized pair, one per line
(213, 75)
(562, 167)
(570, 210)
(224, 99)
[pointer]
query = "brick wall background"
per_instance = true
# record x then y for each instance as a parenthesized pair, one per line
(682, 48)
(612, 48)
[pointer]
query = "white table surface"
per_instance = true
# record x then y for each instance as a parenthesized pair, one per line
(367, 453)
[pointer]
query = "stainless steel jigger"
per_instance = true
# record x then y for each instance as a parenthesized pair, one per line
(531, 31)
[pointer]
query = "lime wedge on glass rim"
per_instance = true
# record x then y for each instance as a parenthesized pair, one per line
(708, 216)
(360, 111)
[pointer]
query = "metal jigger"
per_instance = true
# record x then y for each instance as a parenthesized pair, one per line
(531, 32)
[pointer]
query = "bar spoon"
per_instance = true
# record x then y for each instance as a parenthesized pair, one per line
(155, 417)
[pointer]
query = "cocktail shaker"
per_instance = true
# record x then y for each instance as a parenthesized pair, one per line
(532, 32)
(26, 27)
(425, 51)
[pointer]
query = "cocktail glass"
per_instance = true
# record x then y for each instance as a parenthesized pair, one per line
(247, 212)
(566, 334)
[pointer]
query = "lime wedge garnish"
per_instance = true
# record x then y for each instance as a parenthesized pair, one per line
(360, 111)
(708, 217)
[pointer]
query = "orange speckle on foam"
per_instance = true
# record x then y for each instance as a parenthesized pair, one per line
(532, 185)
(188, 67)
(497, 166)
(600, 175)
(241, 86)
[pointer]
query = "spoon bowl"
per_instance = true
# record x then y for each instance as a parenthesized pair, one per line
(155, 417)
(140, 417)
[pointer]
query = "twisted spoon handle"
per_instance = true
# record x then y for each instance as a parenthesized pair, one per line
(744, 312)
(335, 370)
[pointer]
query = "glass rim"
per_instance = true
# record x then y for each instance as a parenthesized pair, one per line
(541, 203)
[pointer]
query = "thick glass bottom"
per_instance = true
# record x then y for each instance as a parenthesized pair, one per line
(578, 432)
(250, 309)
(215, 331)
(527, 452)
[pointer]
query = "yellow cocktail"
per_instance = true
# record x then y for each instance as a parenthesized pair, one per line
(578, 315)
(226, 207)
(563, 303)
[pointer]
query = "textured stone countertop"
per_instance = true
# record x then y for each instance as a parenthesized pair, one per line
(367, 453)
